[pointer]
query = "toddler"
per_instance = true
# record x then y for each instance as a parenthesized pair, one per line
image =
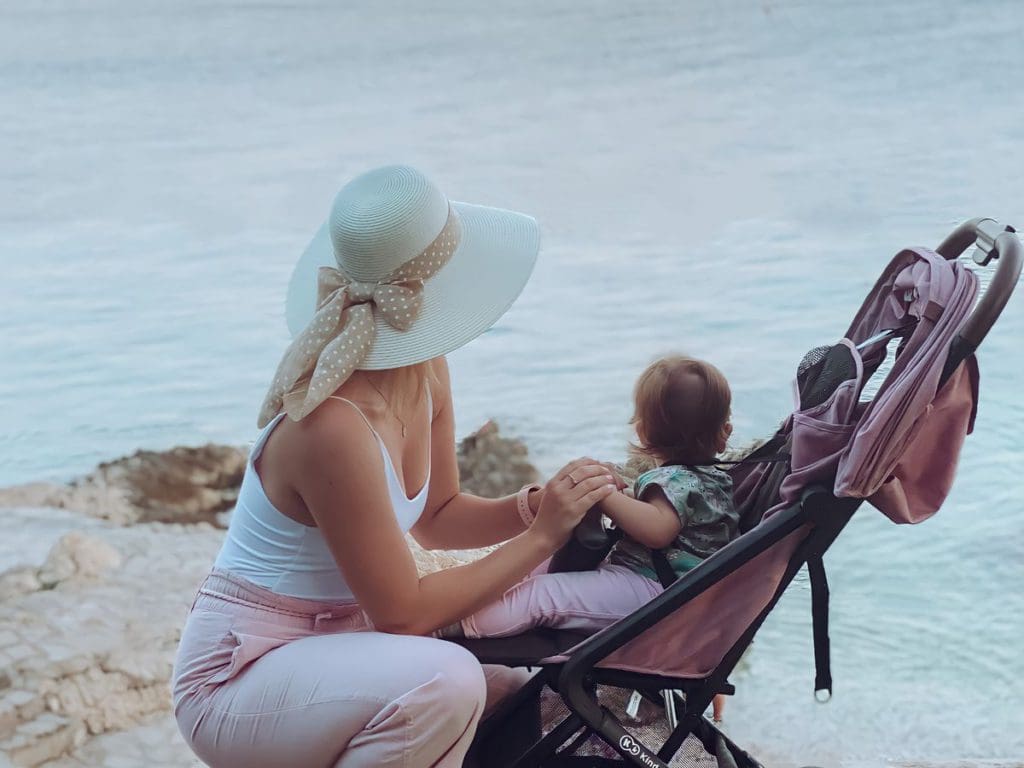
(683, 506)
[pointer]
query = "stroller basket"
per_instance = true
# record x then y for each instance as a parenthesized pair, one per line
(635, 692)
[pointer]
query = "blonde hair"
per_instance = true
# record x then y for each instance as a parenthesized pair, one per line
(403, 387)
(681, 409)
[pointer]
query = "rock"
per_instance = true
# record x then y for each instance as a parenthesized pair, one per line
(88, 495)
(108, 701)
(181, 485)
(19, 581)
(13, 710)
(77, 556)
(96, 659)
(143, 667)
(491, 465)
(45, 738)
(185, 485)
(31, 532)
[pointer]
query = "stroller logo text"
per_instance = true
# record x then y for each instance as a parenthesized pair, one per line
(629, 745)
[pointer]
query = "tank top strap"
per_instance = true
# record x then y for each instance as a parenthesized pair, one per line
(359, 411)
(257, 447)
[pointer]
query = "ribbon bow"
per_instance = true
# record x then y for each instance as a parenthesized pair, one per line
(340, 336)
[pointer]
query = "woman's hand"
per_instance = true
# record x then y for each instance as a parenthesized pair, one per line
(536, 498)
(573, 490)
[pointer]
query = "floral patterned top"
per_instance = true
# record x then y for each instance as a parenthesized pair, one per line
(702, 497)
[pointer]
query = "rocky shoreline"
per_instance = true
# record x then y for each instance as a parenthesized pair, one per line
(97, 576)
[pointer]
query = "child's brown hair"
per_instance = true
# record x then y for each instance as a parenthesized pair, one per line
(681, 411)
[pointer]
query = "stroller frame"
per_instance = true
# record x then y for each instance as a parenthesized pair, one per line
(510, 738)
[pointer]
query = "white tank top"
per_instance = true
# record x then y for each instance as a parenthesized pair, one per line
(270, 549)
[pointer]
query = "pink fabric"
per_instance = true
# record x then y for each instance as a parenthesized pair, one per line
(583, 600)
(265, 680)
(918, 284)
(923, 476)
(692, 641)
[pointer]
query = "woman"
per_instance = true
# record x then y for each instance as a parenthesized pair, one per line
(309, 642)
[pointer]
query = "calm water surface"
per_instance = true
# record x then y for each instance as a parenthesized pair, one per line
(721, 178)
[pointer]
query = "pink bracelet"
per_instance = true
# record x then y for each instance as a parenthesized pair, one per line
(523, 503)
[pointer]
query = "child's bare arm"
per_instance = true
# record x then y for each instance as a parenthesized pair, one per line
(652, 520)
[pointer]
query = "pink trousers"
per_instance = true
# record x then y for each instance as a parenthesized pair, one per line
(263, 680)
(586, 600)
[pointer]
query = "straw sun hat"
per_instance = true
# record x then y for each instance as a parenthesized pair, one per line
(398, 274)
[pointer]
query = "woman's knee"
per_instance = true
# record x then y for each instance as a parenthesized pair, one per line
(461, 681)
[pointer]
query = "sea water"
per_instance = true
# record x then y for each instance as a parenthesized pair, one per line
(724, 179)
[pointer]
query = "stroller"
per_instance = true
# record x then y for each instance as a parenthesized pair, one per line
(896, 394)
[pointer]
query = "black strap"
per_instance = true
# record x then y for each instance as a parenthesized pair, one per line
(663, 568)
(819, 617)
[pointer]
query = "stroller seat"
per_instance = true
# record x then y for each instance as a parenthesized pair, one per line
(677, 651)
(525, 649)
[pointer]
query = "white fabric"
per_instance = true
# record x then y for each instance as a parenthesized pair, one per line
(387, 216)
(338, 339)
(270, 549)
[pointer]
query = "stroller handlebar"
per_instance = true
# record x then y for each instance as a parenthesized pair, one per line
(993, 241)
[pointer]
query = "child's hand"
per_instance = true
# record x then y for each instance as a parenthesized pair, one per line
(620, 484)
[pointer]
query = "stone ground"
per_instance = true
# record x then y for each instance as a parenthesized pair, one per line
(153, 742)
(87, 641)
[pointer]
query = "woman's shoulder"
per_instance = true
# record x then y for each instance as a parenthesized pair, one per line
(337, 428)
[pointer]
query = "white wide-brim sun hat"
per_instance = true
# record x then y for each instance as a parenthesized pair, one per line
(388, 216)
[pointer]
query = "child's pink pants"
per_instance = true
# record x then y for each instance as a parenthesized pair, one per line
(264, 680)
(585, 600)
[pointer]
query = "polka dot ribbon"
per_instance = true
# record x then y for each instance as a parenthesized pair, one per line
(340, 336)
